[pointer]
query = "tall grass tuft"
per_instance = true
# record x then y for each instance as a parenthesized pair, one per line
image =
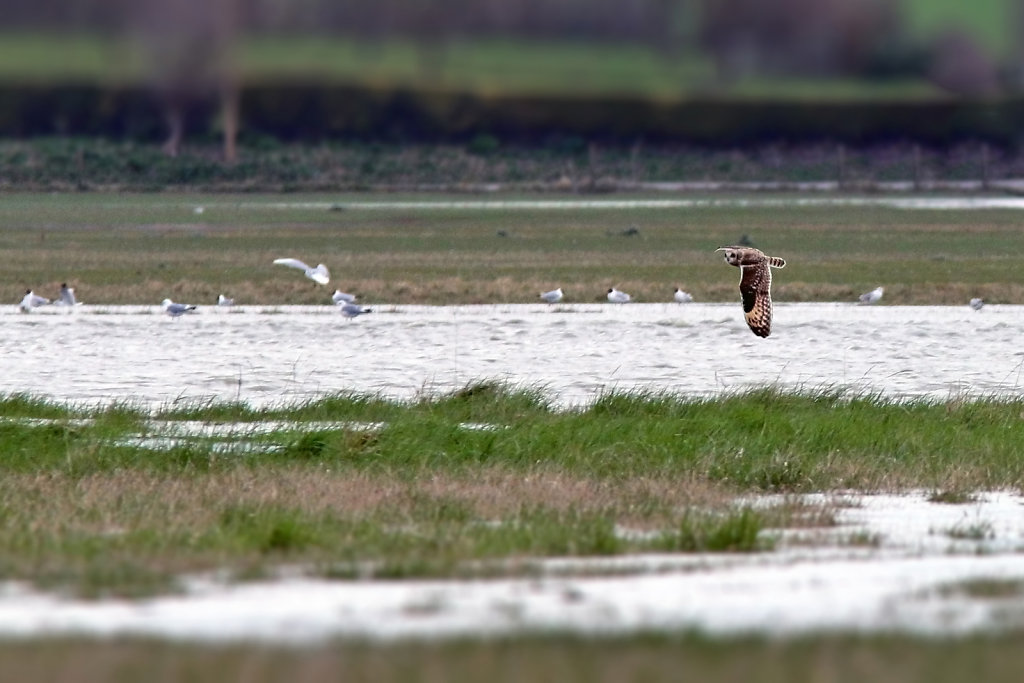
(493, 401)
(737, 532)
(25, 405)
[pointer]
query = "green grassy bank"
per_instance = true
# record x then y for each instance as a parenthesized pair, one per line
(474, 483)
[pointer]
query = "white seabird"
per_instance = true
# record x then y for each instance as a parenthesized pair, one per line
(976, 303)
(552, 297)
(617, 297)
(352, 310)
(224, 301)
(31, 300)
(872, 297)
(319, 274)
(174, 310)
(66, 296)
(682, 297)
(340, 297)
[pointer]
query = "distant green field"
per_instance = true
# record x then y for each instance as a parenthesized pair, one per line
(486, 66)
(991, 22)
(495, 65)
(137, 249)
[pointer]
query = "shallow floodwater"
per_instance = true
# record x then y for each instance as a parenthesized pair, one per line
(271, 355)
(926, 567)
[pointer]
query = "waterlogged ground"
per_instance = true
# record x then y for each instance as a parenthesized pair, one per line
(277, 355)
(890, 563)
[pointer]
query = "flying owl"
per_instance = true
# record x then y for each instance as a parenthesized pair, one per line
(755, 285)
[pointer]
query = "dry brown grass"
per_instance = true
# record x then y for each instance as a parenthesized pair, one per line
(100, 503)
(130, 532)
(547, 659)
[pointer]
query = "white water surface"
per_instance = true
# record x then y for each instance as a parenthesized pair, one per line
(281, 355)
(809, 195)
(938, 203)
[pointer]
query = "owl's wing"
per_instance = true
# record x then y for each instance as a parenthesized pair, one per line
(755, 288)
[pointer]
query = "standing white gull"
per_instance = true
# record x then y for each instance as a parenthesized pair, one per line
(552, 297)
(617, 297)
(224, 301)
(872, 297)
(66, 296)
(976, 303)
(342, 297)
(174, 310)
(319, 274)
(682, 297)
(31, 300)
(353, 310)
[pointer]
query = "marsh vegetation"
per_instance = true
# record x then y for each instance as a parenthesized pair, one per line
(473, 483)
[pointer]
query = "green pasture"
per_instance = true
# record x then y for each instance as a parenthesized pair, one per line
(142, 248)
(492, 66)
(496, 65)
(991, 22)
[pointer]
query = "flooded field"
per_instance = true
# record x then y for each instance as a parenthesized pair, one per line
(900, 561)
(275, 355)
(890, 563)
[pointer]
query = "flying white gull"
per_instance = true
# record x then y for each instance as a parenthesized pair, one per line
(977, 303)
(340, 297)
(66, 296)
(682, 297)
(224, 301)
(552, 297)
(617, 297)
(174, 310)
(872, 297)
(31, 300)
(319, 274)
(352, 310)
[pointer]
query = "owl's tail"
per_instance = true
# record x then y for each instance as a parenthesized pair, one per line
(776, 262)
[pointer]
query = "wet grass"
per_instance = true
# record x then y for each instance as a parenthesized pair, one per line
(547, 658)
(139, 249)
(476, 482)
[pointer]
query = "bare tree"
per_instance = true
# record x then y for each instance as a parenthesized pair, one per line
(188, 45)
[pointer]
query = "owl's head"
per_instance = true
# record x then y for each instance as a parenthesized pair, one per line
(733, 255)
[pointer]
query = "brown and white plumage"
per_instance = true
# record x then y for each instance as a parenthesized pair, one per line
(755, 285)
